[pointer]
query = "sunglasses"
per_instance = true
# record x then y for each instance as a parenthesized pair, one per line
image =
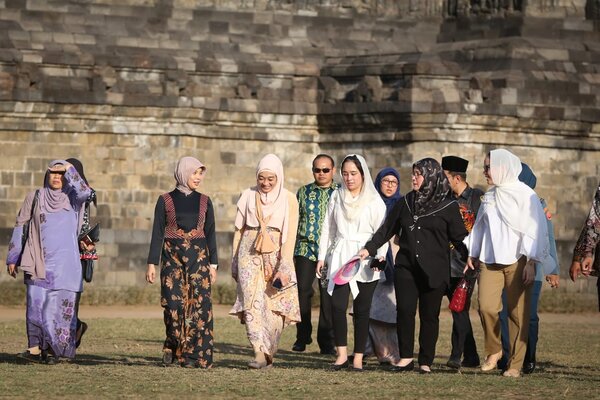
(323, 170)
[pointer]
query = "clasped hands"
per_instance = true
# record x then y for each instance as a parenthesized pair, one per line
(583, 267)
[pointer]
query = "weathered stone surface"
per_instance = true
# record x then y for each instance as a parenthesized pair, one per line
(131, 87)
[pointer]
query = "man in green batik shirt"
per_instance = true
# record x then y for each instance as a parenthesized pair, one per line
(313, 199)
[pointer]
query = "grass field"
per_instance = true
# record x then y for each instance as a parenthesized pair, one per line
(120, 358)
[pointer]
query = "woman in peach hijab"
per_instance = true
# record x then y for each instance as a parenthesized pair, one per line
(262, 264)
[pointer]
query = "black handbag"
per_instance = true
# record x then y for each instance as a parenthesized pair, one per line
(25, 233)
(87, 259)
(87, 268)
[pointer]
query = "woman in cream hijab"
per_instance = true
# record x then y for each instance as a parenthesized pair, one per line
(262, 264)
(510, 234)
(354, 213)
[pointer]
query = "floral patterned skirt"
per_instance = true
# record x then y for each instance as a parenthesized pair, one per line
(52, 320)
(264, 310)
(186, 298)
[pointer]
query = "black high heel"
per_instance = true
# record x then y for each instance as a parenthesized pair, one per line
(408, 367)
(339, 367)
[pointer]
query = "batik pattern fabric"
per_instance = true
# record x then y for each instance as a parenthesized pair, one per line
(468, 205)
(312, 202)
(264, 310)
(186, 289)
(589, 238)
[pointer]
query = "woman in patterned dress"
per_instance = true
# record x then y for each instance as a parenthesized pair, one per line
(262, 264)
(50, 262)
(183, 237)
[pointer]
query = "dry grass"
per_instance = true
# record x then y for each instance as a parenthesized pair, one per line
(120, 358)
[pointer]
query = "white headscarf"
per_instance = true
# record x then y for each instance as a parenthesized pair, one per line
(352, 206)
(517, 204)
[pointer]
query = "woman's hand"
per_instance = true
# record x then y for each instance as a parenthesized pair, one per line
(213, 275)
(150, 274)
(363, 253)
(86, 247)
(59, 167)
(284, 278)
(12, 270)
(529, 273)
(586, 266)
(553, 280)
(319, 268)
(472, 263)
(575, 270)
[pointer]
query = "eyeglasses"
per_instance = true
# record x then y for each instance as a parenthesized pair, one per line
(390, 182)
(323, 170)
(486, 167)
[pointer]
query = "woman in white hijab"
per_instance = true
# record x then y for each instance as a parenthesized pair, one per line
(508, 237)
(354, 213)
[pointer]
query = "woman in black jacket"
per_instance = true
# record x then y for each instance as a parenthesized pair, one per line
(427, 221)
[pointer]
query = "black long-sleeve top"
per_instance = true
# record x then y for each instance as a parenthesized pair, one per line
(424, 241)
(187, 209)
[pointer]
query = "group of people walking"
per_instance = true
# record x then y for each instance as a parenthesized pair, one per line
(361, 239)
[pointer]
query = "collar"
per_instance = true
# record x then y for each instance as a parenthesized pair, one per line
(334, 185)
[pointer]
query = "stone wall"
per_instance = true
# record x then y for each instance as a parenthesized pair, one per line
(130, 86)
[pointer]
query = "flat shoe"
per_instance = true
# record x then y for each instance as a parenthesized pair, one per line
(512, 373)
(257, 365)
(27, 355)
(454, 364)
(352, 368)
(167, 357)
(299, 347)
(491, 362)
(528, 367)
(80, 332)
(424, 371)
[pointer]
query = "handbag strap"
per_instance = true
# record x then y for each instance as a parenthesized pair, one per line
(34, 203)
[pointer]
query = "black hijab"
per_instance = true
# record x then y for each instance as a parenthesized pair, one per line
(434, 190)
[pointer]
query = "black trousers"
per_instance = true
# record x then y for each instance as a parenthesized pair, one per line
(412, 287)
(463, 341)
(305, 275)
(361, 308)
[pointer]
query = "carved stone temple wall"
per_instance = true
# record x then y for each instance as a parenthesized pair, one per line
(130, 86)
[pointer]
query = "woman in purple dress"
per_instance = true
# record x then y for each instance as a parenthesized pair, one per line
(50, 261)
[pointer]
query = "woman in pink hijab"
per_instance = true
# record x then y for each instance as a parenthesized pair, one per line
(183, 239)
(262, 265)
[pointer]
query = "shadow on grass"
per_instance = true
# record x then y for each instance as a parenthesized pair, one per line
(87, 360)
(230, 358)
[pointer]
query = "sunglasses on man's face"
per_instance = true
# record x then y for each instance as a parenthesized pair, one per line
(323, 170)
